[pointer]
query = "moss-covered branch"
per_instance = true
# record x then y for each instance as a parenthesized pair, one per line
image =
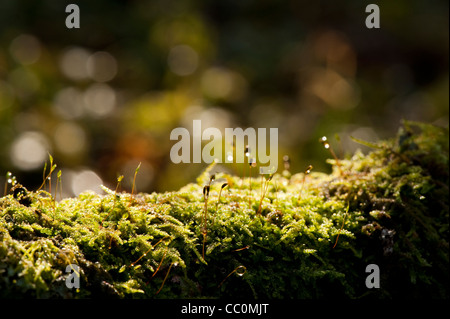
(389, 208)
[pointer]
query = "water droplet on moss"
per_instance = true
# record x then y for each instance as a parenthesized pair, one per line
(241, 270)
(324, 142)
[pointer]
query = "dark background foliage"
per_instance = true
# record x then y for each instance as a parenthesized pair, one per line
(105, 97)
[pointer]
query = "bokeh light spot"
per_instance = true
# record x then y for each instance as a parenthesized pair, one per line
(182, 60)
(86, 180)
(25, 49)
(335, 90)
(221, 83)
(70, 138)
(68, 103)
(73, 63)
(102, 66)
(29, 150)
(100, 100)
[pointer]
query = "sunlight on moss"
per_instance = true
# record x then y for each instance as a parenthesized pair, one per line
(389, 207)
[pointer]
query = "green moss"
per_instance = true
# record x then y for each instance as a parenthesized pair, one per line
(389, 208)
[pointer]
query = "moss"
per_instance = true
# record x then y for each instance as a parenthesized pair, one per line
(312, 238)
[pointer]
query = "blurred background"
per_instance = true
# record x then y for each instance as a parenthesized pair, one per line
(103, 98)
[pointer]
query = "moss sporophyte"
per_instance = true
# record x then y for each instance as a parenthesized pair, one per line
(306, 235)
